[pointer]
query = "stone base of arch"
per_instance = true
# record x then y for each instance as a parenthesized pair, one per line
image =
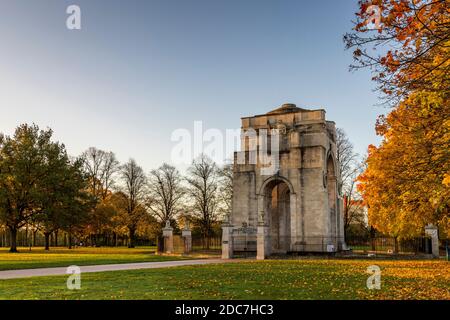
(263, 249)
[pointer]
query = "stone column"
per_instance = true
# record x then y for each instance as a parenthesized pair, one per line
(168, 238)
(432, 231)
(187, 239)
(227, 241)
(294, 221)
(262, 239)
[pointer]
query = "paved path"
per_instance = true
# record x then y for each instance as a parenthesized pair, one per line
(24, 273)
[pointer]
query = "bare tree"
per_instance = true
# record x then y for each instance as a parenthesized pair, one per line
(347, 159)
(165, 193)
(203, 188)
(350, 169)
(101, 167)
(132, 197)
(354, 210)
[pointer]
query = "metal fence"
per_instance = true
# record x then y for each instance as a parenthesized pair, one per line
(244, 245)
(178, 244)
(390, 245)
(244, 242)
(27, 238)
(314, 244)
(201, 244)
(444, 247)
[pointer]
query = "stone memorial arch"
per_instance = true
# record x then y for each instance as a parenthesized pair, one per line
(285, 186)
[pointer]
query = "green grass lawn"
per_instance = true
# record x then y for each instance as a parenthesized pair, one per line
(62, 257)
(270, 279)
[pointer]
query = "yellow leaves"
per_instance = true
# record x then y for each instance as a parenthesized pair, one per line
(446, 180)
(407, 178)
(304, 278)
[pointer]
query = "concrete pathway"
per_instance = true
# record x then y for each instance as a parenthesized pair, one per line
(24, 273)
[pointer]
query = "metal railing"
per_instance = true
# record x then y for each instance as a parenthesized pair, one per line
(27, 238)
(390, 245)
(212, 244)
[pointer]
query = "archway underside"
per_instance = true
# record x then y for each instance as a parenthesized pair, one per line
(278, 213)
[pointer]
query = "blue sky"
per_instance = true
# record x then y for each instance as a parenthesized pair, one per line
(138, 70)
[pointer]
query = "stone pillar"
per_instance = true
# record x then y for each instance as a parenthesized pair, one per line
(294, 221)
(262, 239)
(432, 231)
(168, 238)
(187, 239)
(227, 241)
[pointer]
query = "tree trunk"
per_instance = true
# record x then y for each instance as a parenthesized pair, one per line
(132, 235)
(47, 240)
(27, 242)
(13, 235)
(372, 238)
(395, 245)
(208, 234)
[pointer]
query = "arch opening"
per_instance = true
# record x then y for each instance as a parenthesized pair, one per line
(278, 213)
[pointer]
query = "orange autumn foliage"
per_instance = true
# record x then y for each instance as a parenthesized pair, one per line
(406, 181)
(407, 45)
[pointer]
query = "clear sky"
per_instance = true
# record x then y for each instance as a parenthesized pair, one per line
(138, 70)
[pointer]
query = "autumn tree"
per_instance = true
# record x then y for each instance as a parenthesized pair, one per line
(407, 46)
(405, 43)
(165, 193)
(406, 183)
(64, 190)
(40, 184)
(202, 179)
(22, 169)
(132, 197)
(101, 168)
(77, 208)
